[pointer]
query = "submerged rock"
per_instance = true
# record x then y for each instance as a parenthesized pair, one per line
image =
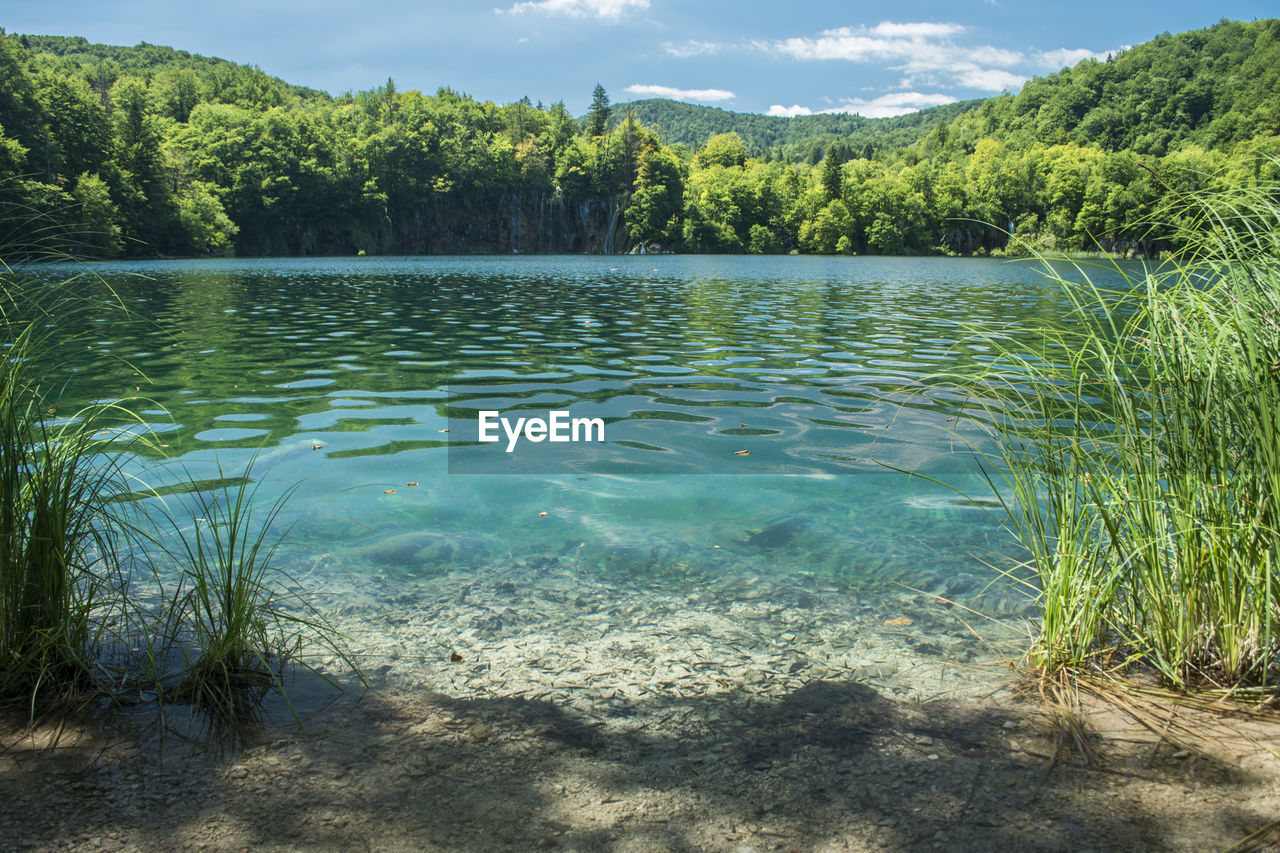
(413, 549)
(777, 534)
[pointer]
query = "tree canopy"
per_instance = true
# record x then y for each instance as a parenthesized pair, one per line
(149, 150)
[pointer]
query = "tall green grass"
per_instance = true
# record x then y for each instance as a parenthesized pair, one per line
(240, 626)
(57, 548)
(1140, 447)
(75, 530)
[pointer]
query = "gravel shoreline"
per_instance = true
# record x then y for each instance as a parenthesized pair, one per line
(526, 708)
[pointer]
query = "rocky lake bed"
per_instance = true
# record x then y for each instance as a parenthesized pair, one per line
(526, 706)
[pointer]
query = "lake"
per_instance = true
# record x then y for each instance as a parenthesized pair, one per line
(757, 413)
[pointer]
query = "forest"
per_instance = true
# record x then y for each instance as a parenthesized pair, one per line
(150, 151)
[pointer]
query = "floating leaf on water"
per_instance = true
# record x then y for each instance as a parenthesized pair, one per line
(742, 453)
(900, 622)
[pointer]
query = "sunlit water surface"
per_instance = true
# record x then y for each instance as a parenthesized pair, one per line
(349, 379)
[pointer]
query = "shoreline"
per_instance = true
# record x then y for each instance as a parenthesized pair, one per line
(590, 714)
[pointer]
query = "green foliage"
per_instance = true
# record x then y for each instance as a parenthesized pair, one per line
(238, 626)
(201, 156)
(831, 176)
(791, 139)
(598, 115)
(203, 220)
(1214, 87)
(74, 537)
(654, 213)
(723, 149)
(99, 233)
(57, 562)
(1142, 445)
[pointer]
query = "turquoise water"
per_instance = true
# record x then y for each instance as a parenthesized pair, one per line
(352, 378)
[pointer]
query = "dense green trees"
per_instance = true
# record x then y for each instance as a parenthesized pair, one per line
(148, 150)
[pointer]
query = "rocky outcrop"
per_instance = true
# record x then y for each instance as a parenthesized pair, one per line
(509, 223)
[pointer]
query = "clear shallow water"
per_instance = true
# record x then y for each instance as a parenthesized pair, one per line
(351, 377)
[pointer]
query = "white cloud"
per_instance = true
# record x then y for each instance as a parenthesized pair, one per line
(987, 55)
(892, 104)
(702, 95)
(922, 30)
(886, 40)
(606, 9)
(692, 48)
(1067, 57)
(924, 51)
(842, 43)
(990, 79)
(793, 110)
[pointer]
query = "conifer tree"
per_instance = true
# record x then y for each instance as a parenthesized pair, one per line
(598, 115)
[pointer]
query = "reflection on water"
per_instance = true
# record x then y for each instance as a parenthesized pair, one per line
(344, 375)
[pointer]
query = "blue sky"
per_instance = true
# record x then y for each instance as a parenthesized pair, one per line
(874, 58)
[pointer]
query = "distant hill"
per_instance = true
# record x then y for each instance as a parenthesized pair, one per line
(792, 138)
(1212, 87)
(226, 81)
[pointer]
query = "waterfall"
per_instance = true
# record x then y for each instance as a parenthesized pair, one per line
(614, 210)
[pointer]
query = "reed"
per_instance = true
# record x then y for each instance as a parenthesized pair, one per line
(1139, 445)
(78, 549)
(58, 545)
(238, 625)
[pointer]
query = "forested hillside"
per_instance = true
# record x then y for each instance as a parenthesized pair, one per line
(149, 150)
(791, 139)
(1214, 87)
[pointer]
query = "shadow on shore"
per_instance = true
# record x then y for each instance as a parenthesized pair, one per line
(831, 766)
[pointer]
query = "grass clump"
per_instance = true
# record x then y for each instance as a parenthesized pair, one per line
(1140, 444)
(83, 611)
(239, 625)
(57, 566)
